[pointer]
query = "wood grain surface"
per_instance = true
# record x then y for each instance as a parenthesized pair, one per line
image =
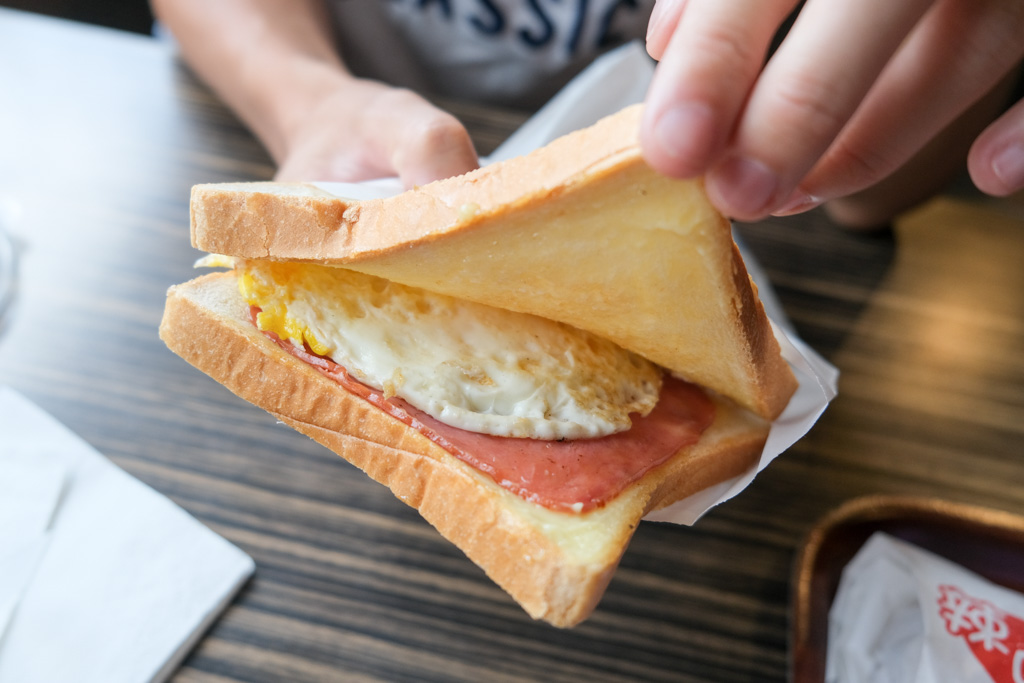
(101, 136)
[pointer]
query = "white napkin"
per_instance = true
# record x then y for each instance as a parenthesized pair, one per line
(614, 81)
(905, 615)
(101, 578)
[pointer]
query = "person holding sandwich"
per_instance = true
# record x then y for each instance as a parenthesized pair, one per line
(867, 106)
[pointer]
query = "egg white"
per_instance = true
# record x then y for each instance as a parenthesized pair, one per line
(471, 366)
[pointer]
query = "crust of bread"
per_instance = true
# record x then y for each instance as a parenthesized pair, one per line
(581, 231)
(555, 564)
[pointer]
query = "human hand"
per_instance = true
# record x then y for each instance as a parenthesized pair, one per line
(364, 129)
(856, 88)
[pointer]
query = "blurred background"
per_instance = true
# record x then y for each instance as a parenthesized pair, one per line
(128, 15)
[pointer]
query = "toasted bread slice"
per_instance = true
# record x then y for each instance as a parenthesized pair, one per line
(581, 231)
(555, 564)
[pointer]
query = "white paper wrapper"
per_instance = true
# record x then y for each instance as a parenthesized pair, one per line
(905, 615)
(101, 578)
(617, 80)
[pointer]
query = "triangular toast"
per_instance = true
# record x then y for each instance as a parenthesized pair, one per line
(581, 231)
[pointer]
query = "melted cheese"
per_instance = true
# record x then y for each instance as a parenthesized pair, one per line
(471, 366)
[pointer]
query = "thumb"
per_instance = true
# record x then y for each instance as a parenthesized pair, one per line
(996, 160)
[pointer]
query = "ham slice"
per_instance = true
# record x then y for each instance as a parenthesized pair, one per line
(568, 475)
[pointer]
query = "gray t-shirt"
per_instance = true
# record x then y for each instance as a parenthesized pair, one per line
(507, 52)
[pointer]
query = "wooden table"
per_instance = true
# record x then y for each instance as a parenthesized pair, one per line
(101, 136)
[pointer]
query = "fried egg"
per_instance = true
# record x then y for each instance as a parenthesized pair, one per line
(470, 366)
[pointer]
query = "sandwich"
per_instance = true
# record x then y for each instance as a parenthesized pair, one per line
(535, 355)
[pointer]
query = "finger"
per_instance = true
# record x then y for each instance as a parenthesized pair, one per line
(713, 57)
(664, 19)
(810, 88)
(437, 146)
(958, 53)
(996, 161)
(421, 142)
(929, 171)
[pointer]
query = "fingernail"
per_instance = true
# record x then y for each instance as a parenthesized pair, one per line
(798, 202)
(684, 132)
(744, 186)
(1008, 165)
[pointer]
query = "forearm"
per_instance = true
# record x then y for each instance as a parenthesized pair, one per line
(274, 62)
(270, 61)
